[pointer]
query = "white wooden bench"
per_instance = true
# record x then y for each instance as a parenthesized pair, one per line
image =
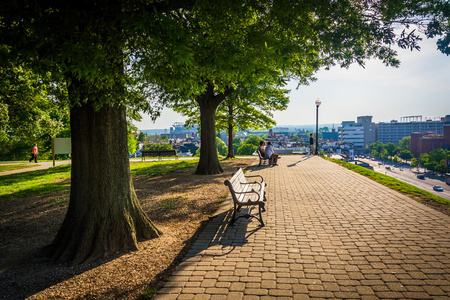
(246, 193)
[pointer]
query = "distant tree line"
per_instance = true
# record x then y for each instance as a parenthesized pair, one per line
(433, 161)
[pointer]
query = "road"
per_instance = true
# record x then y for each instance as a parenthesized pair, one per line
(409, 175)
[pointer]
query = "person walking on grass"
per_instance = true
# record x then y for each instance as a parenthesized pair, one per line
(34, 153)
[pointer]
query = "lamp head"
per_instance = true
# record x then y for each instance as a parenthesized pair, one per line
(318, 102)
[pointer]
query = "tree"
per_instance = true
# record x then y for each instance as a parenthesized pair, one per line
(246, 149)
(391, 149)
(82, 45)
(132, 143)
(427, 162)
(142, 137)
(229, 43)
(4, 118)
(404, 142)
(249, 146)
(156, 138)
(245, 108)
(31, 111)
(414, 162)
(405, 154)
(435, 160)
(250, 108)
(200, 48)
(221, 147)
(237, 142)
(253, 140)
(376, 148)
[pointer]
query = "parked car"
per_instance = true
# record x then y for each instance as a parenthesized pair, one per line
(421, 176)
(388, 168)
(438, 188)
(380, 163)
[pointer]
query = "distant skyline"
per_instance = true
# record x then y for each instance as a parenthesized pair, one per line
(420, 86)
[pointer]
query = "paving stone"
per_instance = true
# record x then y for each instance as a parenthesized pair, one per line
(237, 286)
(330, 233)
(202, 297)
(235, 295)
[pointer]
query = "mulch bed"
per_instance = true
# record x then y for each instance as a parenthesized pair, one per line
(179, 203)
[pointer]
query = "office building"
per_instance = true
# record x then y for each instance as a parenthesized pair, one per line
(178, 130)
(352, 132)
(361, 133)
(425, 143)
(369, 129)
(394, 131)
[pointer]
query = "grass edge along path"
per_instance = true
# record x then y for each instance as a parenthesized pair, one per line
(40, 182)
(405, 188)
(4, 168)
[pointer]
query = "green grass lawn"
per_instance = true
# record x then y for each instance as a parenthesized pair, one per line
(33, 183)
(391, 182)
(156, 168)
(4, 168)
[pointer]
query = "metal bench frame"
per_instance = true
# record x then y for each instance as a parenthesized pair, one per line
(262, 158)
(159, 153)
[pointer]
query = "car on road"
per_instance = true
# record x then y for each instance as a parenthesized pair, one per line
(421, 176)
(388, 168)
(438, 188)
(380, 163)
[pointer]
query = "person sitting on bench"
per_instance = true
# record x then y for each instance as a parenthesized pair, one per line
(273, 156)
(262, 149)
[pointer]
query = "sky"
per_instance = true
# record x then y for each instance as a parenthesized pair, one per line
(419, 87)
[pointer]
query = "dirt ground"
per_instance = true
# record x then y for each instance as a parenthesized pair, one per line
(179, 203)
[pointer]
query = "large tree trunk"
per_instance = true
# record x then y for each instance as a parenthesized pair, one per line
(209, 161)
(230, 133)
(104, 214)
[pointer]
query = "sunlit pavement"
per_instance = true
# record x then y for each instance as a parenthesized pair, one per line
(330, 233)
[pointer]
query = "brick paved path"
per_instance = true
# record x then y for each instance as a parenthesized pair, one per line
(330, 233)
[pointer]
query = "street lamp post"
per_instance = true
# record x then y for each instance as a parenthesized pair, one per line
(318, 102)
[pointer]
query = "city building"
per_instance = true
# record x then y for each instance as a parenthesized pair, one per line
(352, 132)
(361, 133)
(394, 131)
(280, 130)
(369, 129)
(178, 130)
(427, 142)
(332, 136)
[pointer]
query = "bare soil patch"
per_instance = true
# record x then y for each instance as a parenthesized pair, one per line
(179, 203)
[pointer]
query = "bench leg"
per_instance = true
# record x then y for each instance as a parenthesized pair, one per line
(260, 215)
(261, 209)
(233, 218)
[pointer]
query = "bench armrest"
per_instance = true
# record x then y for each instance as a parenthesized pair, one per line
(259, 176)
